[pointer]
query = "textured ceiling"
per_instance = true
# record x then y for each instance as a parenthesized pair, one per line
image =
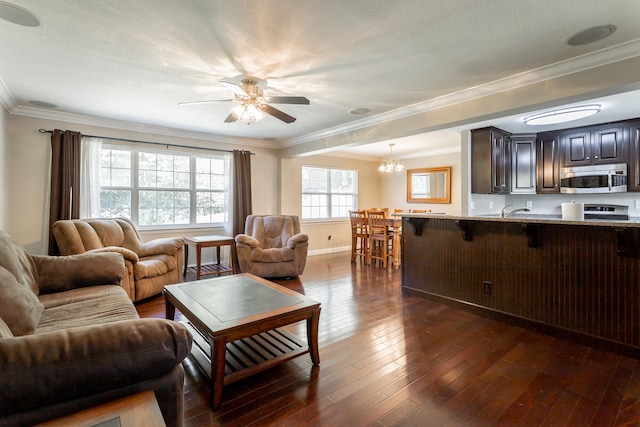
(134, 61)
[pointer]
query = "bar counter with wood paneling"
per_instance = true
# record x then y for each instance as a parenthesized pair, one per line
(579, 280)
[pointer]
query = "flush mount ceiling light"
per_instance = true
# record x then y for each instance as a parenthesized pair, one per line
(562, 115)
(391, 165)
(18, 15)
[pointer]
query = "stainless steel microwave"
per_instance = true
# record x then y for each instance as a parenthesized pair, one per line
(594, 179)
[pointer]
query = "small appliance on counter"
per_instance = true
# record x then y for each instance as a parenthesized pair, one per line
(611, 212)
(573, 211)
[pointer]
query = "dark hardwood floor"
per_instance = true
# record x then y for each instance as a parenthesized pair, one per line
(391, 360)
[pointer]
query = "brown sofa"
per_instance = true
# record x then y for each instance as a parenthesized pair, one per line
(150, 265)
(70, 339)
(272, 246)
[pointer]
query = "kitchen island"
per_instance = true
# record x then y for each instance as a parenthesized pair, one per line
(579, 280)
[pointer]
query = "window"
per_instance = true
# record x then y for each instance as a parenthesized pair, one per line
(164, 188)
(328, 193)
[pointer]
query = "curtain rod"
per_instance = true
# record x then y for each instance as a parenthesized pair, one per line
(152, 143)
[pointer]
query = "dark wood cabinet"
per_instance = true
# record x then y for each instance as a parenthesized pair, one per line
(594, 145)
(633, 183)
(491, 161)
(548, 162)
(523, 164)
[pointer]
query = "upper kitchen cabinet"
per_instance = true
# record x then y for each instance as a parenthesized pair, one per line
(603, 144)
(490, 161)
(548, 162)
(633, 183)
(523, 164)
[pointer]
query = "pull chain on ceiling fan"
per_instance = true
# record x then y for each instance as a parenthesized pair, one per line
(252, 104)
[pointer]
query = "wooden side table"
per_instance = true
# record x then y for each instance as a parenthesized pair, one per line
(133, 411)
(216, 241)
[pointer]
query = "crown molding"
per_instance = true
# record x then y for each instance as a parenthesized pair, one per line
(6, 99)
(576, 64)
(41, 113)
(419, 154)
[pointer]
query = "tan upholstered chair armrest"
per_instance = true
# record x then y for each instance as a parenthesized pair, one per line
(76, 362)
(129, 255)
(244, 239)
(298, 238)
(167, 245)
(61, 273)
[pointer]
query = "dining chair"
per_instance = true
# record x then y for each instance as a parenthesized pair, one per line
(385, 210)
(380, 239)
(359, 236)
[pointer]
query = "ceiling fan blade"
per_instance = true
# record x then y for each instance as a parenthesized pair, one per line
(278, 114)
(231, 118)
(204, 102)
(287, 100)
(234, 87)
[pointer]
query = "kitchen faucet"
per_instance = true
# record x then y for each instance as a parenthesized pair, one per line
(502, 214)
(517, 210)
(502, 211)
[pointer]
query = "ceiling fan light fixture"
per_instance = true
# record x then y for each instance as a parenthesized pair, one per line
(248, 112)
(562, 115)
(391, 165)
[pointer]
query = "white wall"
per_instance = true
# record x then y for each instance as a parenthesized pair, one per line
(393, 187)
(369, 195)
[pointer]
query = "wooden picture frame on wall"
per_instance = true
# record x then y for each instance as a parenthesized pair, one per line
(429, 185)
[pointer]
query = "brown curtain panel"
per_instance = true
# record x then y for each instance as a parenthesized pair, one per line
(65, 180)
(241, 189)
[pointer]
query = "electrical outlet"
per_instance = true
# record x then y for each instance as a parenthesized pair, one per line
(472, 205)
(528, 204)
(490, 205)
(486, 287)
(637, 204)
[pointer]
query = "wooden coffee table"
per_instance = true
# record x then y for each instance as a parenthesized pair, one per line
(237, 321)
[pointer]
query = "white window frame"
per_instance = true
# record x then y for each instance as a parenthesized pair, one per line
(135, 188)
(328, 195)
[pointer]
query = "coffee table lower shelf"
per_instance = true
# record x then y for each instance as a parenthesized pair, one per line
(248, 356)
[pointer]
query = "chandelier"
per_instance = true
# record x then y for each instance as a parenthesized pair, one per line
(391, 165)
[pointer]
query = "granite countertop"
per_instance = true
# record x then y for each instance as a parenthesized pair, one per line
(632, 222)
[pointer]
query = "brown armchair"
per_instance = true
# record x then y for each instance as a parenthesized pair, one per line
(272, 246)
(150, 265)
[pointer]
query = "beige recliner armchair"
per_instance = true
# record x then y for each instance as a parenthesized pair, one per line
(272, 246)
(150, 265)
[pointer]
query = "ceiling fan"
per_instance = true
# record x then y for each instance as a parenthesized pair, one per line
(252, 104)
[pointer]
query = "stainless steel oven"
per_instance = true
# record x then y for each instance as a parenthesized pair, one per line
(594, 179)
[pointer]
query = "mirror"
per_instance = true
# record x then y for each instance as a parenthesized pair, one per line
(429, 185)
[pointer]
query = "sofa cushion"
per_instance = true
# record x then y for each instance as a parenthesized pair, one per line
(20, 308)
(108, 308)
(272, 255)
(5, 332)
(78, 295)
(153, 266)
